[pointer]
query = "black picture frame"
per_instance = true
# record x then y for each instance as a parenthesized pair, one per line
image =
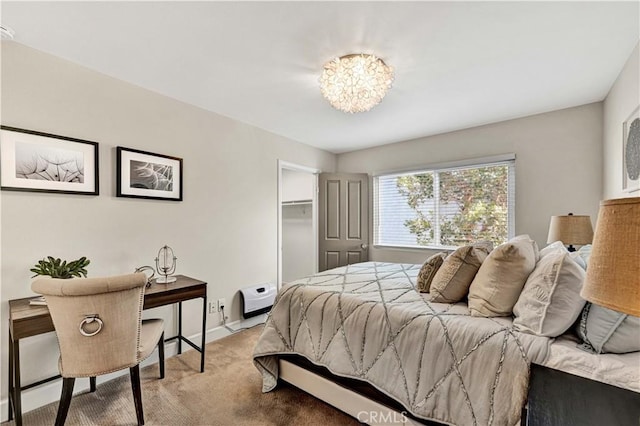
(148, 175)
(33, 161)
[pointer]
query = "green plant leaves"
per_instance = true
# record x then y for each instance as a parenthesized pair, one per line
(57, 268)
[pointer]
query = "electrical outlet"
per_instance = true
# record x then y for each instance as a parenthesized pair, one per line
(211, 308)
(221, 303)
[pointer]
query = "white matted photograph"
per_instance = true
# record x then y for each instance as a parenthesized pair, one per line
(631, 152)
(42, 162)
(142, 174)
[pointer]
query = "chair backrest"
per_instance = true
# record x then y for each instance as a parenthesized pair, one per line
(97, 321)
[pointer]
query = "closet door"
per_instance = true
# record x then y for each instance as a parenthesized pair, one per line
(343, 219)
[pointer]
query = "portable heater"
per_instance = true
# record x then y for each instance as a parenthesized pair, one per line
(257, 299)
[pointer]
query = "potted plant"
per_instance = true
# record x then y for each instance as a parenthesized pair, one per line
(56, 268)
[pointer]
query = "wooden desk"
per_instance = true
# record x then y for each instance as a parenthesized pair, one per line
(27, 320)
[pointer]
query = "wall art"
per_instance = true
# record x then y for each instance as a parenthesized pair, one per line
(42, 162)
(631, 152)
(141, 174)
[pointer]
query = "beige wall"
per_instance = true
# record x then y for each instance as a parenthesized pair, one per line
(622, 99)
(558, 165)
(224, 232)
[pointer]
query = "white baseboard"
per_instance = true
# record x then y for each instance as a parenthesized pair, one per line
(50, 392)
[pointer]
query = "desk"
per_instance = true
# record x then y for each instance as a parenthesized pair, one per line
(27, 320)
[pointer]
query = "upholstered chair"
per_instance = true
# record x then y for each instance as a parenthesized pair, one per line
(98, 322)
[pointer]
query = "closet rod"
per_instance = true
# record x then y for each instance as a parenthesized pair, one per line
(296, 202)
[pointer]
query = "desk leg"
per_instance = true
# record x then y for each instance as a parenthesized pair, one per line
(11, 388)
(17, 389)
(179, 328)
(204, 332)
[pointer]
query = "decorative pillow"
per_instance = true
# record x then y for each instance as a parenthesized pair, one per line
(452, 280)
(604, 330)
(497, 286)
(428, 271)
(585, 253)
(578, 259)
(558, 246)
(550, 301)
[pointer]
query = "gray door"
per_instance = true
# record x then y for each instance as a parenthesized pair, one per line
(343, 219)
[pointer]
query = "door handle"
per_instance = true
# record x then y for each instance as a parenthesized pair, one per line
(364, 246)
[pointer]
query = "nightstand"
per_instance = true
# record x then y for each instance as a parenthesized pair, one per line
(558, 398)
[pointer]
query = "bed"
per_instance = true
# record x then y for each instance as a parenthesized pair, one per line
(367, 322)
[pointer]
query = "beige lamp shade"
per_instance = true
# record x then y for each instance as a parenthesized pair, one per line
(613, 273)
(570, 229)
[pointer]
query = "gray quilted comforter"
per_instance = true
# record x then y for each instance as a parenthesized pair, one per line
(366, 321)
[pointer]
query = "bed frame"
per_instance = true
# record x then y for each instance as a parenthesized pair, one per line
(356, 398)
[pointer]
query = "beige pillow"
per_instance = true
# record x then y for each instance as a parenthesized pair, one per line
(550, 301)
(497, 286)
(428, 271)
(452, 280)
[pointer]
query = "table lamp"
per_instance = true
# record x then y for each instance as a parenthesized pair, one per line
(613, 273)
(570, 229)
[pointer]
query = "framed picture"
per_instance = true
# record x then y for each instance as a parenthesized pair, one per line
(41, 162)
(142, 174)
(631, 152)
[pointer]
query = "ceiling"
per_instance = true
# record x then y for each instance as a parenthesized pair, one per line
(458, 64)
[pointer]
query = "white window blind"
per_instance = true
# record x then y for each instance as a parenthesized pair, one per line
(445, 207)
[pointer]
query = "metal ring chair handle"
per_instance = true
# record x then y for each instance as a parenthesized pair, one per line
(88, 320)
(147, 269)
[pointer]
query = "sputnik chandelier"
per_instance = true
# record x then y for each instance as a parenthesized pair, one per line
(355, 83)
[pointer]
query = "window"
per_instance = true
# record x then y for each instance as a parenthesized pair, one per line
(445, 207)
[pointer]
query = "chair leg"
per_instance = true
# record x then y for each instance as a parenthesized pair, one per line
(161, 355)
(65, 400)
(92, 384)
(137, 392)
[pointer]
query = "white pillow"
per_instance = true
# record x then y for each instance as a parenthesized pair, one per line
(550, 301)
(604, 330)
(585, 253)
(555, 247)
(578, 259)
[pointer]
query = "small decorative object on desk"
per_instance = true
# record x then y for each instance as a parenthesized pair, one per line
(38, 301)
(166, 265)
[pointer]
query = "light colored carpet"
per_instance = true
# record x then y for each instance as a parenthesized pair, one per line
(227, 393)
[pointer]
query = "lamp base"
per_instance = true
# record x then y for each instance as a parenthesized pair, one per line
(165, 279)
